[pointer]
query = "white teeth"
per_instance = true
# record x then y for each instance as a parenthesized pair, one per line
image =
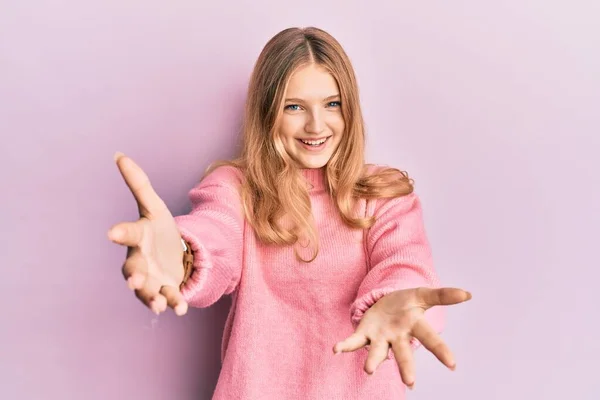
(314, 142)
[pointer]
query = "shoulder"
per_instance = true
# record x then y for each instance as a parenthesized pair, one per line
(222, 184)
(405, 200)
(379, 169)
(223, 175)
(373, 169)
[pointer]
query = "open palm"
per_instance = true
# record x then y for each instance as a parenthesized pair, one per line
(394, 321)
(154, 264)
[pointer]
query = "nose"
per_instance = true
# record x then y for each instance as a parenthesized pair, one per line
(315, 123)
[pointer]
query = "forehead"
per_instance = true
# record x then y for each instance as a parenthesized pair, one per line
(311, 82)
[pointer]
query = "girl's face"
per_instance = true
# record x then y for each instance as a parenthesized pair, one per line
(311, 126)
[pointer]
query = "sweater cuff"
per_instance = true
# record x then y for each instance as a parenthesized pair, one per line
(366, 301)
(201, 268)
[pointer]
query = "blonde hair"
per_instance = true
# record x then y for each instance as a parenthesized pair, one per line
(274, 195)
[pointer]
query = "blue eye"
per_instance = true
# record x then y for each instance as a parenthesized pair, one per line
(334, 104)
(291, 107)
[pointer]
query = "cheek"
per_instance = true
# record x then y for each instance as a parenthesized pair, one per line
(288, 128)
(339, 129)
(337, 124)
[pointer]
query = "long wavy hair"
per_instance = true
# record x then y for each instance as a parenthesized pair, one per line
(274, 194)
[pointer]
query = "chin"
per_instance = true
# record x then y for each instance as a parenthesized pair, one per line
(313, 164)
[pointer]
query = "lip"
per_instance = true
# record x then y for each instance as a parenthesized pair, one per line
(315, 149)
(321, 138)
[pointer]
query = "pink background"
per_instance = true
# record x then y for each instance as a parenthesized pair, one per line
(493, 107)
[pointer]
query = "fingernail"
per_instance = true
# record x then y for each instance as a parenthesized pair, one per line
(180, 309)
(469, 295)
(113, 234)
(118, 155)
(132, 282)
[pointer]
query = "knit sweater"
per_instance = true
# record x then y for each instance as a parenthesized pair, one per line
(286, 315)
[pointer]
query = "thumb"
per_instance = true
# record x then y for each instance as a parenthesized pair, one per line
(128, 234)
(149, 203)
(351, 343)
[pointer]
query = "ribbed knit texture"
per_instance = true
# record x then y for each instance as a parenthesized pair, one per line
(287, 315)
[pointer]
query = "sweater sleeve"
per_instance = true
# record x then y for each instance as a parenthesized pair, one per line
(399, 257)
(214, 230)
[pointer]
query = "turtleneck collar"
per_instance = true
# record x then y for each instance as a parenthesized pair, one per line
(315, 177)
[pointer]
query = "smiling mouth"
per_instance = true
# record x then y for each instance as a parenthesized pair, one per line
(314, 142)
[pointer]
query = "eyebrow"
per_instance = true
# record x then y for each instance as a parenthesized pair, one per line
(300, 100)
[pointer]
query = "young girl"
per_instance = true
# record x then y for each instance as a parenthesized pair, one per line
(322, 253)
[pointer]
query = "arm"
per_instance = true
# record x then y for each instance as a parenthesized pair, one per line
(214, 230)
(399, 258)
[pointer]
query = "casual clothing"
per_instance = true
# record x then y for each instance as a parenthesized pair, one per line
(287, 315)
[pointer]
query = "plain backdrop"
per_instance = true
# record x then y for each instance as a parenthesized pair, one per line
(492, 107)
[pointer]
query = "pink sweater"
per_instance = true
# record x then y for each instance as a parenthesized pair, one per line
(287, 315)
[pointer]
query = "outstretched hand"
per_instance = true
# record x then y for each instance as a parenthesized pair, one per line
(154, 264)
(397, 318)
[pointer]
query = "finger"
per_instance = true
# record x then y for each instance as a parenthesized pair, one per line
(156, 302)
(377, 354)
(351, 343)
(152, 287)
(432, 341)
(404, 358)
(135, 269)
(441, 296)
(149, 203)
(128, 233)
(174, 299)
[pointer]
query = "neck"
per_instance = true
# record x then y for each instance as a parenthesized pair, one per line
(315, 177)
